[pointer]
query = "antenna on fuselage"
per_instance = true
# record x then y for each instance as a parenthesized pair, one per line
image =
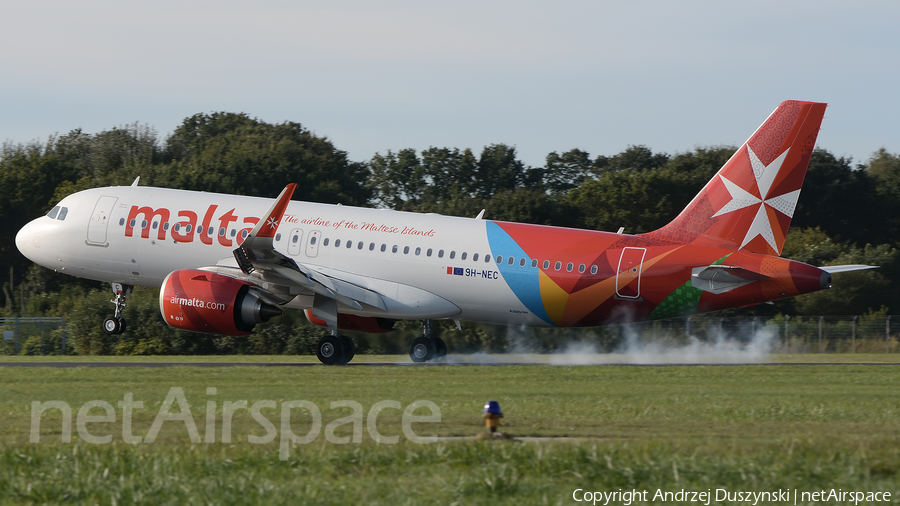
(480, 215)
(621, 229)
(135, 183)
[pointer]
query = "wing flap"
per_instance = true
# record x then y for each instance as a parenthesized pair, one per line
(257, 254)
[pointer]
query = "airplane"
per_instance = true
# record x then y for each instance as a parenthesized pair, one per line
(225, 263)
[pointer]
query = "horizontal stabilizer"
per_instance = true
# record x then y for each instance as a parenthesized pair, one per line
(831, 269)
(718, 279)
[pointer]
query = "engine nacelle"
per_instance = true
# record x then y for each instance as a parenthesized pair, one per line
(355, 323)
(202, 301)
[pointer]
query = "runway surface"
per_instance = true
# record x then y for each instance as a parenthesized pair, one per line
(401, 364)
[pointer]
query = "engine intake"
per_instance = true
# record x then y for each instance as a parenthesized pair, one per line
(202, 301)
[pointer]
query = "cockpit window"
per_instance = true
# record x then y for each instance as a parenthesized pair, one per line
(58, 213)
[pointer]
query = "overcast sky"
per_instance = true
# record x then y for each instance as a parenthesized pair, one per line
(542, 76)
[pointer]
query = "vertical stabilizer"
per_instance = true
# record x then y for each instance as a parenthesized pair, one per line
(749, 203)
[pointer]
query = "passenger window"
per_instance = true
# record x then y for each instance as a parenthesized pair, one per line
(143, 223)
(132, 223)
(406, 250)
(522, 262)
(383, 248)
(53, 212)
(487, 258)
(349, 244)
(232, 234)
(418, 250)
(360, 245)
(463, 256)
(452, 255)
(546, 264)
(187, 229)
(221, 231)
(475, 257)
(593, 269)
(62, 213)
(371, 246)
(325, 242)
(337, 243)
(581, 268)
(244, 233)
(200, 231)
(558, 265)
(534, 263)
(166, 227)
(569, 267)
(277, 236)
(511, 260)
(176, 228)
(394, 249)
(441, 253)
(499, 259)
(121, 221)
(428, 253)
(156, 224)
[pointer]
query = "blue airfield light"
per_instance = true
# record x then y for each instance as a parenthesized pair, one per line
(493, 408)
(492, 415)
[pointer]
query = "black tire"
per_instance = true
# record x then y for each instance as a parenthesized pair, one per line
(112, 326)
(421, 349)
(440, 348)
(349, 350)
(329, 349)
(122, 325)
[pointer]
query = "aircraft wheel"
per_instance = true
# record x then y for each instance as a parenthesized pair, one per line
(122, 325)
(440, 348)
(329, 349)
(112, 326)
(349, 350)
(421, 349)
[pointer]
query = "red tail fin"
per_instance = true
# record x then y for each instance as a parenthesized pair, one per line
(749, 203)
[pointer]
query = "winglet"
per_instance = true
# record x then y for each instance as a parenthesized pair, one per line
(268, 226)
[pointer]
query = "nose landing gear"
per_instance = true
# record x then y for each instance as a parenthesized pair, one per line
(115, 324)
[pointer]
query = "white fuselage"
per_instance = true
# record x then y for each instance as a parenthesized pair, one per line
(128, 235)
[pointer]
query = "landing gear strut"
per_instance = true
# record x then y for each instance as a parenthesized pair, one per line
(427, 347)
(332, 348)
(335, 349)
(115, 324)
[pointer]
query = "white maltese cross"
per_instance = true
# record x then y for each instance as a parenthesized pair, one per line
(765, 175)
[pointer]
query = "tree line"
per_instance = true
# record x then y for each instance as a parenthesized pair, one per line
(847, 213)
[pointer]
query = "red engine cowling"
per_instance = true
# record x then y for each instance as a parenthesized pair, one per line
(202, 301)
(355, 323)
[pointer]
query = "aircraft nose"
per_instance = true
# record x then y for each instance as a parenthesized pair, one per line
(28, 241)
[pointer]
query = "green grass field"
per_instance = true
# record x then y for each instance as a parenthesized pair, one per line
(741, 428)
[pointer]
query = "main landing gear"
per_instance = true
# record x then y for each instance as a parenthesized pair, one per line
(115, 324)
(427, 347)
(335, 349)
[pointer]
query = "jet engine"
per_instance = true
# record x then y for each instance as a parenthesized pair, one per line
(202, 301)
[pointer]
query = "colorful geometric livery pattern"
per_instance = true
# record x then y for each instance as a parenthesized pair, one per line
(720, 252)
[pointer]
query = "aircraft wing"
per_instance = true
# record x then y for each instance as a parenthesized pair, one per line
(257, 254)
